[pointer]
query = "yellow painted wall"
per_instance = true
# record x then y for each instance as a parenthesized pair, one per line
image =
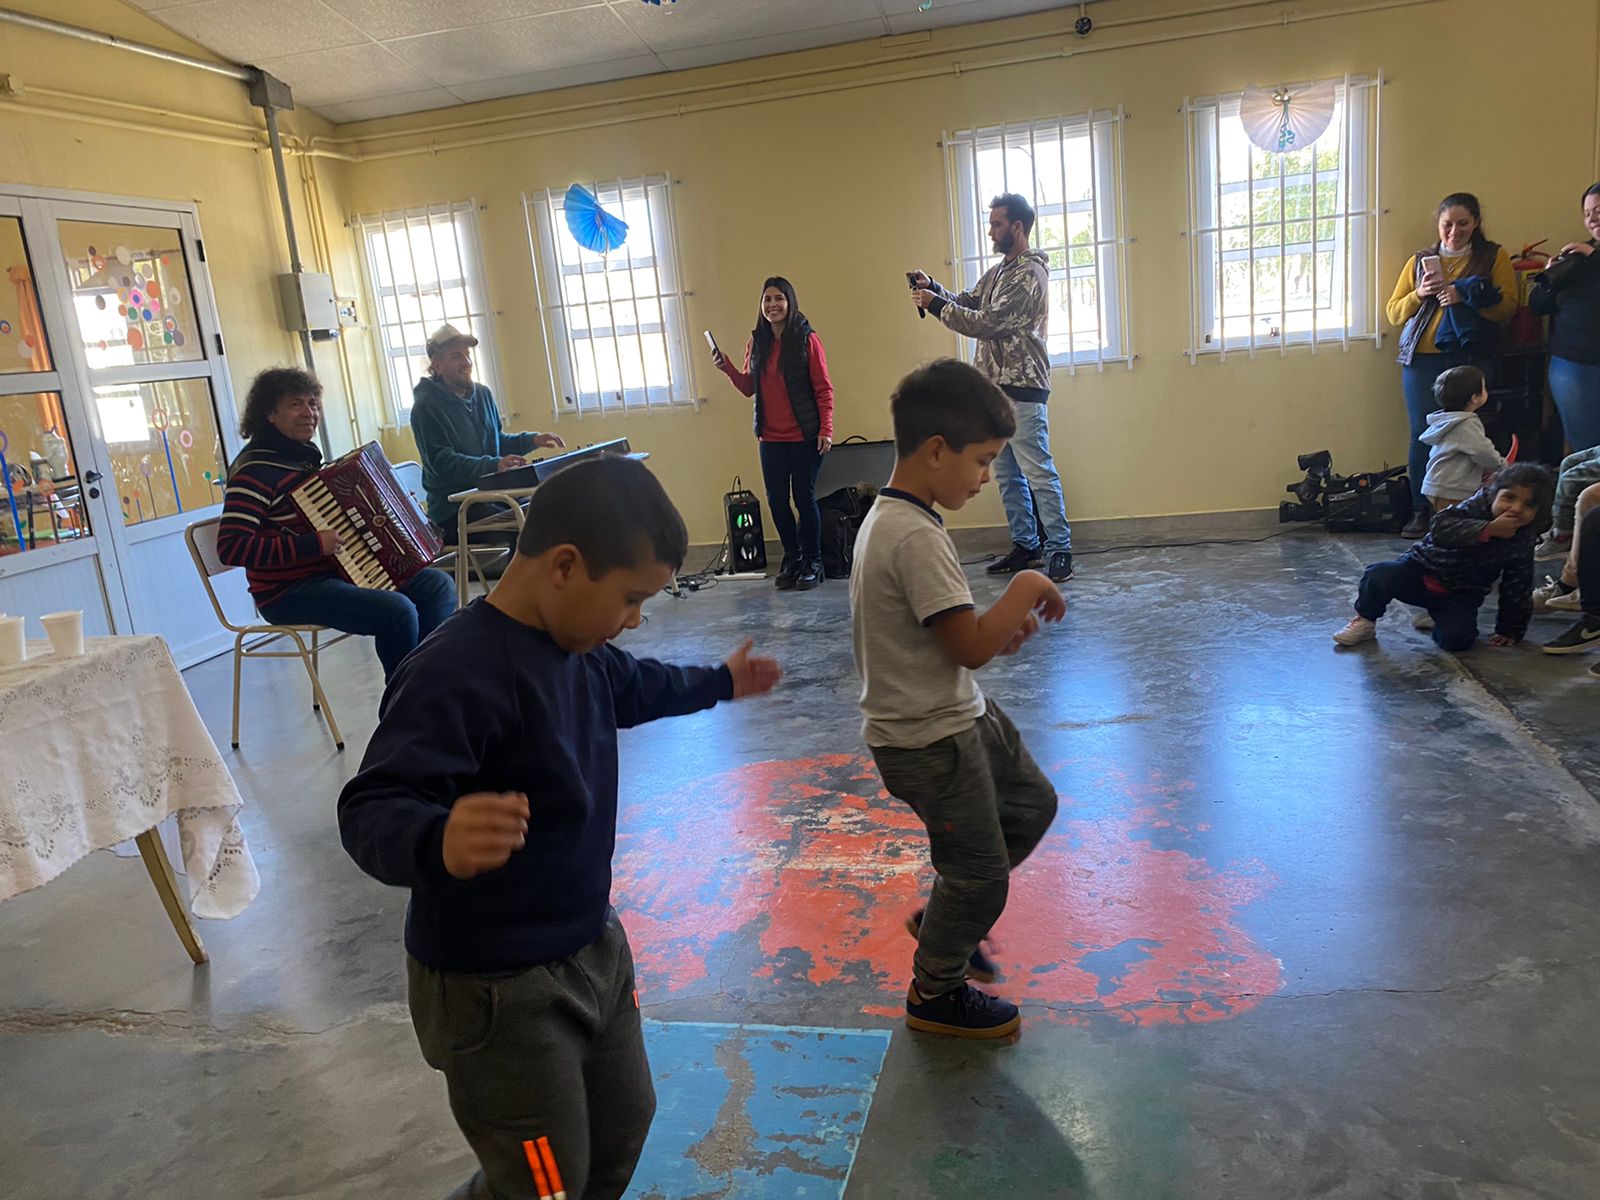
(233, 184)
(843, 190)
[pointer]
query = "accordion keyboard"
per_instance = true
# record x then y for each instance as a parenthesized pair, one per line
(358, 555)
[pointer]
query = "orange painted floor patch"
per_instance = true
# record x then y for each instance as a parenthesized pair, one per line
(791, 880)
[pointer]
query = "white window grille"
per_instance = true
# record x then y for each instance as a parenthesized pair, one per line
(1070, 170)
(614, 324)
(1283, 247)
(424, 268)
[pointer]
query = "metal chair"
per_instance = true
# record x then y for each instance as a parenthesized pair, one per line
(479, 558)
(202, 539)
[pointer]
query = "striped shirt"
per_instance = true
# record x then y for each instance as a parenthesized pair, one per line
(262, 530)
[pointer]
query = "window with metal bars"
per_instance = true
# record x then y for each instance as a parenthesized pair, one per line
(614, 324)
(1283, 246)
(1069, 168)
(424, 268)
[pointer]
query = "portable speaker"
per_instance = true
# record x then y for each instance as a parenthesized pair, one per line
(747, 541)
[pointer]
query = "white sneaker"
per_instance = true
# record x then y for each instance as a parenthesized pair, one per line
(1566, 602)
(1422, 619)
(1553, 594)
(1359, 630)
(1550, 546)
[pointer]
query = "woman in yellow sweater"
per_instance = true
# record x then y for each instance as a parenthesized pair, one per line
(1449, 303)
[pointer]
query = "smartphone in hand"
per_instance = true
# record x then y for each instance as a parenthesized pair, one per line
(1432, 265)
(716, 352)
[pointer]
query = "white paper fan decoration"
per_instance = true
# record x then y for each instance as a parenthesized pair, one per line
(1282, 119)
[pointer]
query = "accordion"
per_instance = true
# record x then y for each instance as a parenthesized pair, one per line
(386, 540)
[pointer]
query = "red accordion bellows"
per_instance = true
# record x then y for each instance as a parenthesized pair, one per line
(386, 540)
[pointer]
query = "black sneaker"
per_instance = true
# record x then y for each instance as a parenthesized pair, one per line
(808, 576)
(965, 1012)
(980, 966)
(1020, 559)
(1584, 635)
(785, 579)
(1060, 566)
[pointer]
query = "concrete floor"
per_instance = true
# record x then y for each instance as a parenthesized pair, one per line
(1311, 922)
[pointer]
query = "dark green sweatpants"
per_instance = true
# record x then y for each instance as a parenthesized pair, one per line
(555, 1052)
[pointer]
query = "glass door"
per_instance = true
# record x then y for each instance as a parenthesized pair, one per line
(124, 292)
(52, 554)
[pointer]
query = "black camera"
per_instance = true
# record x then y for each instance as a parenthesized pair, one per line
(1083, 26)
(911, 282)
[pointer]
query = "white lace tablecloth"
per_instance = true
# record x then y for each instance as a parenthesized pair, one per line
(98, 749)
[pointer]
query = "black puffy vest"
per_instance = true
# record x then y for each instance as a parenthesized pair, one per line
(796, 368)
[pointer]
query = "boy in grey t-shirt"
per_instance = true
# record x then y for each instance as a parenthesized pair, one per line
(940, 744)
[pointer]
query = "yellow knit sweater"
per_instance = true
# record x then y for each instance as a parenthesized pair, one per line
(1405, 302)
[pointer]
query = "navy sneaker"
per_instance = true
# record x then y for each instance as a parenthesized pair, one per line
(980, 966)
(965, 1012)
(1020, 559)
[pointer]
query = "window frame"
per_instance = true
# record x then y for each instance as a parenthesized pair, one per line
(478, 319)
(563, 339)
(1356, 270)
(972, 255)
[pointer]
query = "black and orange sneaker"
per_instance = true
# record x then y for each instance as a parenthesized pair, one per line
(965, 1012)
(980, 966)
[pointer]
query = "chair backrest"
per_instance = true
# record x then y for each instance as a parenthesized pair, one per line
(202, 539)
(409, 476)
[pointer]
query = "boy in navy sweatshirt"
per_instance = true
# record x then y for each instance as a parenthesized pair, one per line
(490, 790)
(1486, 538)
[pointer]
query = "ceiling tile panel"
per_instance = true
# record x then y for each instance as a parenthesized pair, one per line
(347, 73)
(248, 31)
(516, 47)
(560, 77)
(695, 23)
(383, 19)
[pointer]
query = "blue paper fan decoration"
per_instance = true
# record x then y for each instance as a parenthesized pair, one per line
(592, 226)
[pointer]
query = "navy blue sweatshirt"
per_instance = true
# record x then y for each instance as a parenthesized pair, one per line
(487, 704)
(1458, 552)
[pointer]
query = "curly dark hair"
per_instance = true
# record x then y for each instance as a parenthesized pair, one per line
(269, 387)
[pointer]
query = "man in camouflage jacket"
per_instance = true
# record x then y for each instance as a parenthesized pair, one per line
(1008, 312)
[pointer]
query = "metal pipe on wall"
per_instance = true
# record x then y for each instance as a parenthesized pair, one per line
(46, 25)
(276, 144)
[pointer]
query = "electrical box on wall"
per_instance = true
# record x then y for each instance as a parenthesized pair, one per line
(308, 303)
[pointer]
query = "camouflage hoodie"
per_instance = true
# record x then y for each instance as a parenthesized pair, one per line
(1008, 313)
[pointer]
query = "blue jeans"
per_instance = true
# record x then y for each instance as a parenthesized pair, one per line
(396, 621)
(1028, 479)
(1575, 387)
(1417, 379)
(790, 468)
(1455, 616)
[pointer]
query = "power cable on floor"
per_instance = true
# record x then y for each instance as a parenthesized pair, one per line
(989, 558)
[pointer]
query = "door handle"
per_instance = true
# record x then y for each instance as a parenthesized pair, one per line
(91, 476)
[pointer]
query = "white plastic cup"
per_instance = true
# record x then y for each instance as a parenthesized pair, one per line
(13, 641)
(65, 630)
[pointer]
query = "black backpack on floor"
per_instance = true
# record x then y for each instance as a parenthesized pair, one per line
(842, 513)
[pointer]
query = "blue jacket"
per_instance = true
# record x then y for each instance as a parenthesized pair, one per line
(1457, 554)
(458, 439)
(1460, 326)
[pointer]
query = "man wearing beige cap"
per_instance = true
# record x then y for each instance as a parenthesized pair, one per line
(457, 426)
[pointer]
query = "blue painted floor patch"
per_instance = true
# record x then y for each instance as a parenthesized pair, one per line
(756, 1112)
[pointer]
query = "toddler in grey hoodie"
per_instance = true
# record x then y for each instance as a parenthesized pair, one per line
(1462, 451)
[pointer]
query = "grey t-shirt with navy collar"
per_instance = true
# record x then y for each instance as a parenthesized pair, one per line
(906, 573)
